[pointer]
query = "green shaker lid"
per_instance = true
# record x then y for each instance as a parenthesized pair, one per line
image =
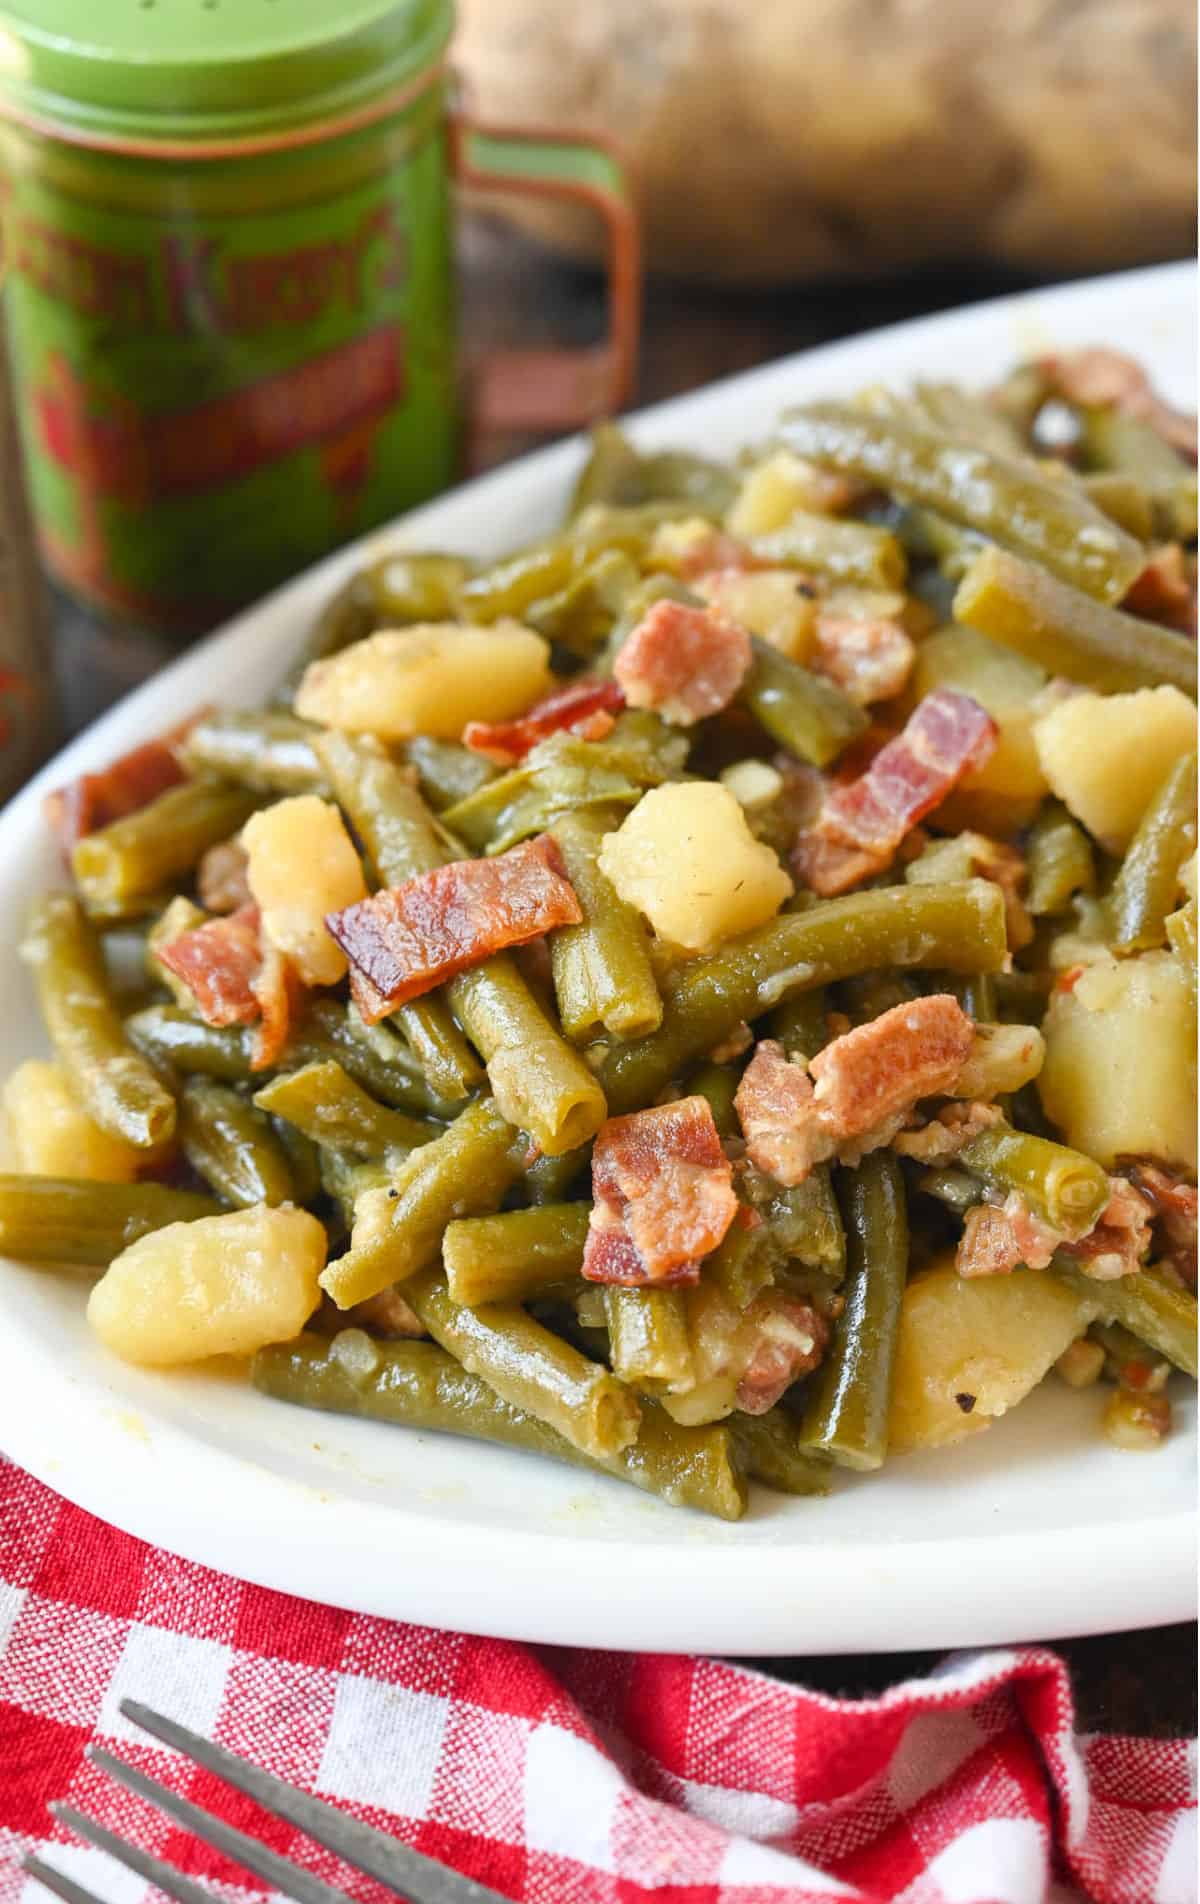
(182, 70)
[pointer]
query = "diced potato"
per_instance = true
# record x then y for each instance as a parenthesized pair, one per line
(224, 1285)
(1002, 1058)
(51, 1135)
(775, 603)
(429, 679)
(971, 1349)
(1188, 882)
(1004, 794)
(753, 783)
(1105, 755)
(301, 864)
(775, 489)
(686, 858)
(1120, 1072)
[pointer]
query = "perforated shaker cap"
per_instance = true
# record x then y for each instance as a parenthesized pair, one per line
(204, 70)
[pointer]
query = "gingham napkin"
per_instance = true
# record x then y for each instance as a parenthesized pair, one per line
(557, 1776)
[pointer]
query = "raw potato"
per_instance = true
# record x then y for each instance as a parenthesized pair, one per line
(224, 1285)
(429, 679)
(686, 858)
(989, 1339)
(775, 489)
(302, 865)
(1003, 795)
(51, 1135)
(1120, 1072)
(1105, 755)
(769, 602)
(778, 141)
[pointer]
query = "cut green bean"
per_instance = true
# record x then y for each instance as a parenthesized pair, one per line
(556, 1179)
(304, 1160)
(846, 1415)
(802, 1219)
(1059, 860)
(112, 1080)
(579, 618)
(269, 752)
(617, 473)
(1181, 931)
(329, 1106)
(959, 927)
(232, 1146)
(1124, 500)
(717, 1084)
(1158, 1312)
(768, 1448)
(1147, 883)
(806, 714)
(1008, 499)
(134, 858)
(345, 1178)
(801, 1024)
(1117, 442)
(649, 1345)
(856, 553)
(417, 1385)
(447, 770)
(530, 1368)
(1046, 620)
(1062, 1186)
(603, 979)
(516, 1254)
(76, 1220)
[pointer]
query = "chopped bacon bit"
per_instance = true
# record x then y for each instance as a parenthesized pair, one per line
(1165, 591)
(663, 1195)
(278, 992)
(1006, 868)
(738, 1040)
(941, 1140)
(407, 939)
(997, 1239)
(684, 662)
(386, 1314)
(791, 1340)
(1176, 1208)
(717, 550)
(861, 825)
(219, 962)
(1121, 1237)
(869, 659)
(585, 708)
(856, 1093)
(1109, 378)
(123, 787)
(221, 877)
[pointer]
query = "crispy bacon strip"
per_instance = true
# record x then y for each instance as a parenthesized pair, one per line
(1176, 1208)
(662, 1192)
(683, 662)
(585, 708)
(409, 938)
(124, 786)
(860, 826)
(221, 880)
(219, 962)
(869, 658)
(856, 1093)
(1108, 377)
(791, 1338)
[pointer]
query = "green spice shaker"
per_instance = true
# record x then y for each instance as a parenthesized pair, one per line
(230, 292)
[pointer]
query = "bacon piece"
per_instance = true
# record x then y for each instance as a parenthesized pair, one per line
(585, 708)
(791, 1338)
(409, 938)
(1165, 591)
(1121, 1237)
(869, 658)
(386, 1314)
(1110, 378)
(861, 825)
(856, 1093)
(1175, 1206)
(219, 962)
(940, 1140)
(998, 1238)
(683, 662)
(716, 550)
(278, 992)
(124, 786)
(663, 1195)
(221, 877)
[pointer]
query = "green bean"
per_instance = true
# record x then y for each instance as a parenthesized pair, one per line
(398, 588)
(742, 1265)
(269, 752)
(514, 1255)
(1144, 890)
(1124, 500)
(959, 927)
(1181, 930)
(1158, 1312)
(345, 1178)
(304, 1160)
(717, 1084)
(802, 1219)
(930, 538)
(1063, 1187)
(1047, 621)
(803, 712)
(617, 473)
(330, 1107)
(530, 1368)
(232, 1146)
(446, 1059)
(649, 1346)
(464, 1172)
(132, 859)
(1059, 860)
(113, 1082)
(553, 1179)
(769, 1450)
(579, 618)
(956, 1189)
(801, 1025)
(968, 418)
(846, 1415)
(858, 553)
(447, 770)
(1114, 441)
(510, 586)
(559, 776)
(76, 1220)
(1004, 498)
(603, 979)
(417, 1385)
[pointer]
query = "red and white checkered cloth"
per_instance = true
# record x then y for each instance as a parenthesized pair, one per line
(556, 1776)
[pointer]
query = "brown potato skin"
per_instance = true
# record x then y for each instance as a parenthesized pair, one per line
(793, 139)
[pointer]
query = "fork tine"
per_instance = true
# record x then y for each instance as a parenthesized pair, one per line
(409, 1873)
(183, 1889)
(277, 1871)
(58, 1882)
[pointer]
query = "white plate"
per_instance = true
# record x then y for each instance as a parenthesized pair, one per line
(1034, 1530)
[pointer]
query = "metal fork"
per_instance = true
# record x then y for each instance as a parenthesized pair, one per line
(409, 1874)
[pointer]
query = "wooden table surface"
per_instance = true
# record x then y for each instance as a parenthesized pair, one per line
(515, 293)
